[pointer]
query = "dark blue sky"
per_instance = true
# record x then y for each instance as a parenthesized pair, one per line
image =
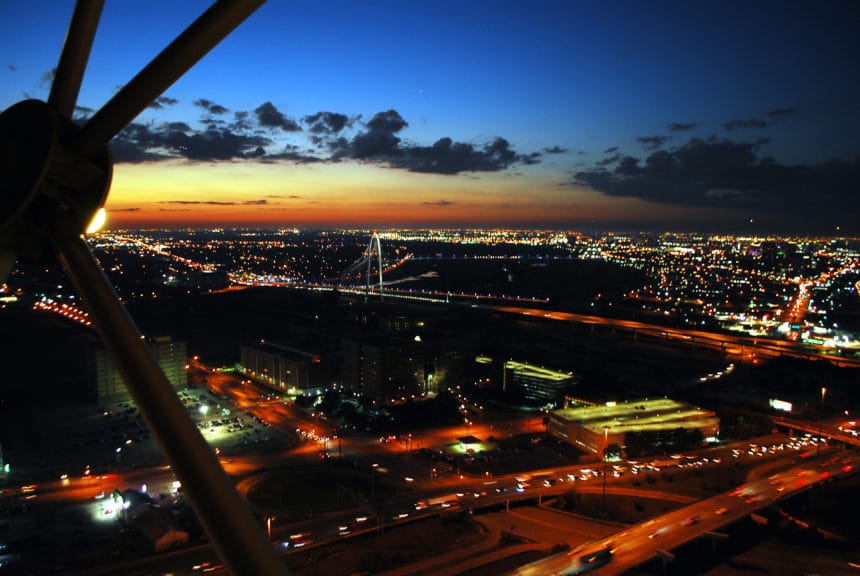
(733, 110)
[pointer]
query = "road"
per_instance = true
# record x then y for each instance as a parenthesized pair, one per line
(641, 542)
(743, 347)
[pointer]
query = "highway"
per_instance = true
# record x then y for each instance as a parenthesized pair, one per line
(825, 429)
(643, 542)
(744, 347)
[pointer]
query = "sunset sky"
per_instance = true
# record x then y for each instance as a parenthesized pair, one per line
(707, 116)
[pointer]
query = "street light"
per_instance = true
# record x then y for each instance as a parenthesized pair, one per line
(605, 444)
(820, 420)
(269, 519)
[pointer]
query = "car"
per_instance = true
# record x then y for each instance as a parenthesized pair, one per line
(721, 511)
(690, 521)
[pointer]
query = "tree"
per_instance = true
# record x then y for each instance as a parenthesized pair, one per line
(612, 451)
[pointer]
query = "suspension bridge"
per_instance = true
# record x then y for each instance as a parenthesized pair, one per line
(368, 269)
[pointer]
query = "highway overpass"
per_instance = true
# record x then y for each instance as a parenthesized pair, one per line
(656, 538)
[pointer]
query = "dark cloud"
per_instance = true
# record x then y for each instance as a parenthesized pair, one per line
(652, 142)
(48, 77)
(211, 106)
(728, 174)
(380, 143)
(323, 126)
(389, 121)
(379, 140)
(270, 117)
(163, 101)
(241, 121)
(11, 67)
(744, 123)
(440, 203)
(214, 202)
(124, 210)
(448, 157)
(82, 114)
(610, 150)
(782, 113)
(149, 142)
(326, 122)
(338, 137)
(680, 126)
(294, 154)
(608, 160)
(555, 150)
(195, 202)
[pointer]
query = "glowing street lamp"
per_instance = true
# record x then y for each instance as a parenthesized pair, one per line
(605, 444)
(820, 419)
(269, 519)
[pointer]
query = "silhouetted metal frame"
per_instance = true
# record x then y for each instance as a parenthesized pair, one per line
(238, 537)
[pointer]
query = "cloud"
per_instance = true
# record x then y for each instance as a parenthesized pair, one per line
(162, 101)
(210, 106)
(610, 150)
(48, 77)
(379, 140)
(81, 114)
(293, 154)
(440, 203)
(555, 150)
(782, 113)
(149, 142)
(337, 137)
(652, 142)
(380, 143)
(124, 210)
(744, 123)
(214, 202)
(680, 126)
(609, 160)
(269, 117)
(448, 157)
(326, 122)
(729, 174)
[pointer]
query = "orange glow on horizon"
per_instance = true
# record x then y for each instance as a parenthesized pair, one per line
(177, 194)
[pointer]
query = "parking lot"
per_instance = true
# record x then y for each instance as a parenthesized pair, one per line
(115, 437)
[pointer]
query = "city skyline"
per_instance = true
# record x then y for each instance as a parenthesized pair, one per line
(715, 118)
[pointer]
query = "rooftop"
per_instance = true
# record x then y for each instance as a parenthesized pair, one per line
(640, 415)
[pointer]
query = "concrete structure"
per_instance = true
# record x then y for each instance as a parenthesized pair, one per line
(592, 428)
(156, 525)
(106, 384)
(287, 369)
(535, 384)
(382, 368)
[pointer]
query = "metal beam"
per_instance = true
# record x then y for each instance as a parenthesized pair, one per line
(238, 537)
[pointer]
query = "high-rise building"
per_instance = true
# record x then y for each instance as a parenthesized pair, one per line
(105, 383)
(287, 369)
(382, 368)
(531, 384)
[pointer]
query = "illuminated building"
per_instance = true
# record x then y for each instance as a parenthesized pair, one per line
(107, 385)
(382, 368)
(287, 369)
(592, 428)
(532, 384)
